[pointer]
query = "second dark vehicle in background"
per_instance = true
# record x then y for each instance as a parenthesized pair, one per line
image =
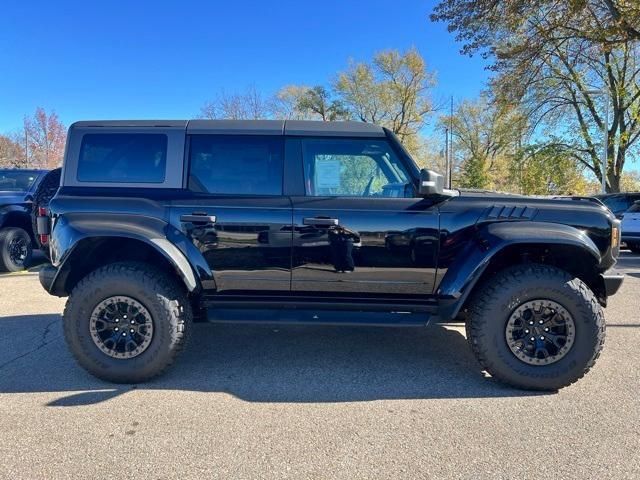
(17, 236)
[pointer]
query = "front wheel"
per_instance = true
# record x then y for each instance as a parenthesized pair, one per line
(15, 249)
(535, 327)
(126, 322)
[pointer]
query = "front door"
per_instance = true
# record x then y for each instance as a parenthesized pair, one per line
(236, 215)
(359, 231)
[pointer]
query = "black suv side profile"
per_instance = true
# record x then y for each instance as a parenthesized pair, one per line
(17, 237)
(161, 223)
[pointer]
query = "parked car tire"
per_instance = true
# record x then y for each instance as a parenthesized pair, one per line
(15, 249)
(127, 322)
(535, 327)
(47, 188)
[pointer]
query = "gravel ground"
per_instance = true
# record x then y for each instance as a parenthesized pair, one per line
(310, 402)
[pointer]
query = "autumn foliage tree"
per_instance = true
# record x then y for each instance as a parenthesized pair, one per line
(551, 57)
(44, 139)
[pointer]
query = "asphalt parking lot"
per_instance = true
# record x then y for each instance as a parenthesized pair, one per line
(310, 402)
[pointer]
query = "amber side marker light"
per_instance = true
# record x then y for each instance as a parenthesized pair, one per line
(615, 237)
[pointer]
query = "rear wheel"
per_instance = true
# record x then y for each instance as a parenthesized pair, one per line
(15, 249)
(127, 322)
(535, 327)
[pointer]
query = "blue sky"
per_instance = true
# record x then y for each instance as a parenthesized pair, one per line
(143, 59)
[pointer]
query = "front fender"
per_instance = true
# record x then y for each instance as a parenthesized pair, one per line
(71, 231)
(490, 239)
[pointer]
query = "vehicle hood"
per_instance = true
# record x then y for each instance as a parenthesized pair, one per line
(549, 203)
(9, 198)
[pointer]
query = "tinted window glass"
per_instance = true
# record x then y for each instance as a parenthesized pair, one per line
(236, 165)
(16, 181)
(354, 168)
(123, 158)
(635, 208)
(616, 204)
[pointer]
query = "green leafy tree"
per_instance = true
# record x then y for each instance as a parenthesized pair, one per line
(485, 137)
(392, 90)
(549, 57)
(547, 170)
(318, 102)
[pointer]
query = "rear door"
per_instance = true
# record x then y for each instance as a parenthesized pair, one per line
(358, 230)
(236, 214)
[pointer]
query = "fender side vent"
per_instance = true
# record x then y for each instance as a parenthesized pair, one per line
(502, 212)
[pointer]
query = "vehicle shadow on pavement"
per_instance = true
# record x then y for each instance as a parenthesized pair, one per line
(264, 364)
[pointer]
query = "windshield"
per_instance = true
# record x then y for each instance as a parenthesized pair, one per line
(16, 180)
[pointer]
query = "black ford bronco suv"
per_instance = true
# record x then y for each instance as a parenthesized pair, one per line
(18, 188)
(161, 223)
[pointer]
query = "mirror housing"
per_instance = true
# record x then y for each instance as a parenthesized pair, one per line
(431, 183)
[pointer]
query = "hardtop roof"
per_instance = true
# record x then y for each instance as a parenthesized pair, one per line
(248, 127)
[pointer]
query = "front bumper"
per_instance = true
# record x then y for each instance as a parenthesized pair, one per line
(612, 280)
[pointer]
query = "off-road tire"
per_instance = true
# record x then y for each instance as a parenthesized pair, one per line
(47, 188)
(492, 305)
(160, 294)
(8, 235)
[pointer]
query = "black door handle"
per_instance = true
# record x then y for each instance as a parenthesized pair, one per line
(320, 221)
(198, 218)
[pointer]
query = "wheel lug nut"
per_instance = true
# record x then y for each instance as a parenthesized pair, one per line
(526, 331)
(540, 322)
(124, 316)
(132, 322)
(131, 330)
(117, 320)
(546, 329)
(531, 322)
(124, 334)
(116, 329)
(541, 337)
(533, 339)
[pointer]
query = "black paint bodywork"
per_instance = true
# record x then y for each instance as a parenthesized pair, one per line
(413, 258)
(15, 207)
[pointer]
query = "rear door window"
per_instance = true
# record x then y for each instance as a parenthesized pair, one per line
(122, 158)
(236, 164)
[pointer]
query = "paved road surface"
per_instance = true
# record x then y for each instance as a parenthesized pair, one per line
(309, 402)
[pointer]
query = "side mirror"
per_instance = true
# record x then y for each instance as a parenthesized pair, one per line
(431, 183)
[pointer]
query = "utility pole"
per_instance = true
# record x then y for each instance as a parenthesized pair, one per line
(26, 148)
(450, 156)
(605, 146)
(605, 134)
(446, 156)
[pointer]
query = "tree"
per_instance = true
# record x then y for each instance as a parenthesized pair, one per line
(45, 138)
(318, 102)
(486, 136)
(546, 170)
(294, 102)
(393, 91)
(549, 56)
(11, 152)
(285, 104)
(248, 105)
(598, 21)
